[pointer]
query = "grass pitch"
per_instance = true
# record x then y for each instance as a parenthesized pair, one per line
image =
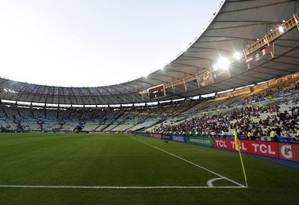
(120, 169)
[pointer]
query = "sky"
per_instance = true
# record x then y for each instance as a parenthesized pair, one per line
(95, 42)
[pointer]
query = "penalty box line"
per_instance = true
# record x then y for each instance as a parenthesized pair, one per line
(194, 164)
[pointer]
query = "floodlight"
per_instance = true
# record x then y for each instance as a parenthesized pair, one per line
(281, 29)
(237, 56)
(222, 64)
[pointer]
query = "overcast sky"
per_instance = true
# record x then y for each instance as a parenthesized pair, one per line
(95, 42)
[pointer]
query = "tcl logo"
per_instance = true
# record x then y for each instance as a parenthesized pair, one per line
(286, 151)
(221, 144)
(263, 148)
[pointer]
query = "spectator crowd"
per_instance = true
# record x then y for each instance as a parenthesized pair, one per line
(250, 117)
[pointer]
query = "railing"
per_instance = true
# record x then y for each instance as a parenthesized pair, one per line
(273, 35)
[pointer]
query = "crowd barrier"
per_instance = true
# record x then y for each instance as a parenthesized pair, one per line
(278, 150)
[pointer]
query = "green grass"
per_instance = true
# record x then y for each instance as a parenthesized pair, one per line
(119, 160)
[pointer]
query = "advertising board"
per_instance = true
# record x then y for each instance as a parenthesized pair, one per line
(286, 151)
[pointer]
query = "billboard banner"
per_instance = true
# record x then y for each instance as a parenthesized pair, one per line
(178, 138)
(166, 137)
(200, 140)
(284, 151)
(289, 151)
(192, 139)
(158, 136)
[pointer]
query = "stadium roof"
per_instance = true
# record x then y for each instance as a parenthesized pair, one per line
(238, 24)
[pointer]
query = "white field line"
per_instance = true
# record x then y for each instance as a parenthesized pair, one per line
(117, 187)
(211, 181)
(189, 162)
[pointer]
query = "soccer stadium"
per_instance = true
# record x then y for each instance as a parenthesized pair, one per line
(217, 124)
